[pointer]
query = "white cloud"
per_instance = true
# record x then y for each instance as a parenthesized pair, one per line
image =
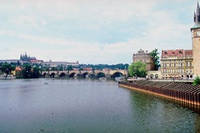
(162, 29)
(27, 21)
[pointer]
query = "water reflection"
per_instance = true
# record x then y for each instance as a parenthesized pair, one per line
(197, 124)
(158, 115)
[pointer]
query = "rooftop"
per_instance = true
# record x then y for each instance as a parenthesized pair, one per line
(142, 52)
(176, 53)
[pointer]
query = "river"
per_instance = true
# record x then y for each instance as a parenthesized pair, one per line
(84, 106)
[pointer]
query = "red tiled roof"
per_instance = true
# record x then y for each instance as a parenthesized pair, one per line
(176, 53)
(188, 53)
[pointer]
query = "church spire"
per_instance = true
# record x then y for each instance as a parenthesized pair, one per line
(198, 9)
(197, 14)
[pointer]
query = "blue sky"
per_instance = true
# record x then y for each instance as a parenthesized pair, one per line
(93, 31)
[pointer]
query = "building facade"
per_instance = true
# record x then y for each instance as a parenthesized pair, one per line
(144, 57)
(196, 41)
(177, 64)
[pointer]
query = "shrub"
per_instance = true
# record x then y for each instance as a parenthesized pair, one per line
(137, 69)
(196, 81)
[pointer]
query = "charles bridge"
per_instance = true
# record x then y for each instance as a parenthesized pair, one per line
(108, 73)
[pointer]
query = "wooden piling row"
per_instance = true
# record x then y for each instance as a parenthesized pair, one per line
(185, 94)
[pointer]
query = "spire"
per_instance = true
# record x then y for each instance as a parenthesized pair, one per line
(197, 14)
(198, 9)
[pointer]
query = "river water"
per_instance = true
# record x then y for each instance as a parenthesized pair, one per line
(73, 106)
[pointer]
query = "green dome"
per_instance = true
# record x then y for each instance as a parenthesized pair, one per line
(196, 26)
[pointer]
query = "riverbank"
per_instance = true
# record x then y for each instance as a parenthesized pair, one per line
(182, 93)
(9, 77)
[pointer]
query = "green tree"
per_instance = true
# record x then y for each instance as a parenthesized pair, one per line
(69, 68)
(54, 69)
(196, 81)
(36, 72)
(7, 68)
(27, 71)
(155, 56)
(137, 69)
(80, 69)
(60, 68)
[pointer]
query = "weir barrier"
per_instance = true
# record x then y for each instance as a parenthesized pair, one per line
(184, 94)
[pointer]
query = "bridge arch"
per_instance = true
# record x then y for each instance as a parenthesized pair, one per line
(62, 75)
(85, 74)
(151, 76)
(100, 75)
(79, 75)
(52, 75)
(156, 76)
(44, 75)
(92, 76)
(116, 74)
(72, 75)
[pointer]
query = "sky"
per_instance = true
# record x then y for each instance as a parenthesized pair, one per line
(93, 31)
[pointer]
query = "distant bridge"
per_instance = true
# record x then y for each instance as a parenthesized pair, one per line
(108, 73)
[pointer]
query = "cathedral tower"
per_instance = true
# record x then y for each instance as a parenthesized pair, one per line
(196, 41)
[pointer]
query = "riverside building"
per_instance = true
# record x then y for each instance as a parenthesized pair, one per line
(177, 64)
(184, 63)
(144, 57)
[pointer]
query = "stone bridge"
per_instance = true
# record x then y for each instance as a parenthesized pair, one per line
(86, 74)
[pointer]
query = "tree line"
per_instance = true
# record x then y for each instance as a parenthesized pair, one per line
(104, 66)
(35, 70)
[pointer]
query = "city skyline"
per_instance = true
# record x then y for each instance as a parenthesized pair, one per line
(93, 32)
